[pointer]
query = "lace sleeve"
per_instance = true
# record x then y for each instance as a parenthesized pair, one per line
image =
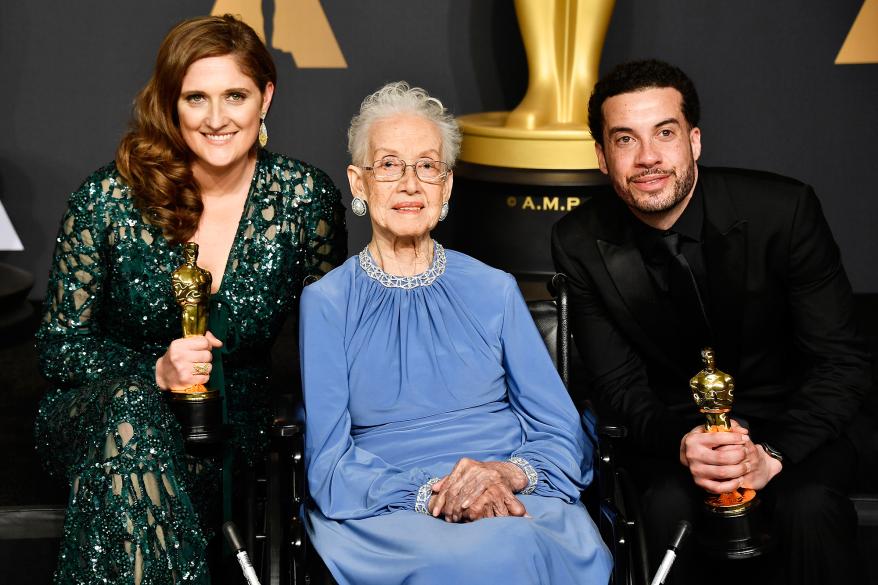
(73, 350)
(324, 235)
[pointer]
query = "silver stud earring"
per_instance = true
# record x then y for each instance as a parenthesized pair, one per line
(263, 131)
(443, 213)
(358, 207)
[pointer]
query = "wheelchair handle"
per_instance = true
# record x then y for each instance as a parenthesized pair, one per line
(234, 539)
(683, 530)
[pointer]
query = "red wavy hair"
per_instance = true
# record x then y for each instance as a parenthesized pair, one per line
(152, 158)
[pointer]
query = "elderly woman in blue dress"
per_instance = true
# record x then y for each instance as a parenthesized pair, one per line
(441, 446)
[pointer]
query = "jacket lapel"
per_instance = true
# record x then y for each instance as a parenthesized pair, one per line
(725, 251)
(657, 332)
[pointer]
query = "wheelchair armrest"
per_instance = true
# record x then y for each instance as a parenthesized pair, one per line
(31, 522)
(606, 427)
(287, 422)
(612, 431)
(866, 506)
(283, 429)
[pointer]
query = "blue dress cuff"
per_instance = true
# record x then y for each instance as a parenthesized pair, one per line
(423, 498)
(528, 469)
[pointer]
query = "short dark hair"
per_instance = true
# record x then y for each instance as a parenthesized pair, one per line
(637, 76)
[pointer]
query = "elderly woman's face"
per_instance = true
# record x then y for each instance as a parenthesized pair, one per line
(409, 206)
(219, 110)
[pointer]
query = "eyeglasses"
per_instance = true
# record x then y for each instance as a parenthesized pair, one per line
(392, 168)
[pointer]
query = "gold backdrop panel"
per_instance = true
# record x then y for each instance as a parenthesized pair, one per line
(300, 27)
(861, 44)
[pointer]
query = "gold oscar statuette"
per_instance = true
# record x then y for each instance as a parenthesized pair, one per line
(191, 285)
(732, 526)
(713, 391)
(563, 40)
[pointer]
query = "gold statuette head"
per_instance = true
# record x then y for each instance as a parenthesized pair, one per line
(713, 391)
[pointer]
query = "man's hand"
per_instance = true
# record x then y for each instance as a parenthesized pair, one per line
(763, 470)
(721, 462)
(478, 489)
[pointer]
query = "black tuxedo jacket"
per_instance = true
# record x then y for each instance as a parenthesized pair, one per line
(780, 306)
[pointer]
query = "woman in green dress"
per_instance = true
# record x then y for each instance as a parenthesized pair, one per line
(189, 170)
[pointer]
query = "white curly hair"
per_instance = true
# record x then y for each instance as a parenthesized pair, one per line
(400, 98)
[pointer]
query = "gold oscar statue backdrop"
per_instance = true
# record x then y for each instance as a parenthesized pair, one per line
(861, 44)
(548, 130)
(520, 171)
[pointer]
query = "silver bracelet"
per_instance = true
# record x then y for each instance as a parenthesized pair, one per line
(528, 469)
(423, 498)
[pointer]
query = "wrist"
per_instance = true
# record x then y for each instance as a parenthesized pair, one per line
(771, 452)
(773, 460)
(159, 379)
(525, 475)
(516, 478)
(775, 466)
(424, 496)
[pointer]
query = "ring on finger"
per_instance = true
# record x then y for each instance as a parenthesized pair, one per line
(200, 369)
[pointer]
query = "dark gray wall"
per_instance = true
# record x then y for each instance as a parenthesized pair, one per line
(772, 98)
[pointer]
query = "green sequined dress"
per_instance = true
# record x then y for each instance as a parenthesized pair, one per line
(137, 498)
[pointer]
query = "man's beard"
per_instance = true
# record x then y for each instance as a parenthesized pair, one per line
(682, 186)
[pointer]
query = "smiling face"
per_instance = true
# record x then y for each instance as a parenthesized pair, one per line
(407, 207)
(219, 111)
(649, 153)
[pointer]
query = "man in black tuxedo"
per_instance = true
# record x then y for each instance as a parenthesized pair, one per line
(683, 257)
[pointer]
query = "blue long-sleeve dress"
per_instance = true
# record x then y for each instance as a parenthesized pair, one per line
(402, 378)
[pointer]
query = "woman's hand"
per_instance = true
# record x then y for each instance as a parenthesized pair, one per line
(478, 489)
(181, 366)
(495, 501)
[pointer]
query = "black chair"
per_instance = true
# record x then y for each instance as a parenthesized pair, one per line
(275, 532)
(283, 555)
(29, 542)
(610, 499)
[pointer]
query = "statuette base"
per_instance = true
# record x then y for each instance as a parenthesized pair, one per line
(200, 415)
(734, 533)
(488, 141)
(732, 503)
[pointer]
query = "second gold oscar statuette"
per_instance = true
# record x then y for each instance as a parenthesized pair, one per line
(732, 526)
(713, 391)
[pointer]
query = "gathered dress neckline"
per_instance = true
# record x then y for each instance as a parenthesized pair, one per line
(426, 278)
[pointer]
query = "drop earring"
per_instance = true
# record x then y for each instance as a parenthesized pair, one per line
(263, 131)
(358, 207)
(443, 213)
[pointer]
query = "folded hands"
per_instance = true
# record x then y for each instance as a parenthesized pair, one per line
(724, 462)
(478, 489)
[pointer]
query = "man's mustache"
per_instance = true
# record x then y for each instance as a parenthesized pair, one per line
(652, 173)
